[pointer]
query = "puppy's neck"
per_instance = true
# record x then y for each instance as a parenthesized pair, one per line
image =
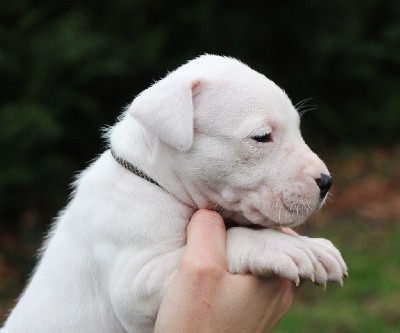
(131, 142)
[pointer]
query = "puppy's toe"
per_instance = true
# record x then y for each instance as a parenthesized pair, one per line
(321, 277)
(278, 264)
(330, 264)
(303, 262)
(334, 252)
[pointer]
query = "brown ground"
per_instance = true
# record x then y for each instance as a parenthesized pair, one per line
(366, 186)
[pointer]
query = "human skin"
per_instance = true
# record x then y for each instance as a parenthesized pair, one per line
(205, 297)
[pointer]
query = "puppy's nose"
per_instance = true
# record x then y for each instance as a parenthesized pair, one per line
(324, 183)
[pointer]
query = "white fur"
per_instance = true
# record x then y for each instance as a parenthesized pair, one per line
(115, 248)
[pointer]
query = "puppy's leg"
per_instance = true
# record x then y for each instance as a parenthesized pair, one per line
(266, 252)
(137, 285)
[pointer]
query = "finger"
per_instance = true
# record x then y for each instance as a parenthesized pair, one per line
(206, 238)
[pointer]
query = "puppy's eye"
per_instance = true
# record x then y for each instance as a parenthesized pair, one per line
(263, 138)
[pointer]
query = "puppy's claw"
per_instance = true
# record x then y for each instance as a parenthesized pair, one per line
(323, 286)
(312, 278)
(346, 274)
(297, 281)
(341, 282)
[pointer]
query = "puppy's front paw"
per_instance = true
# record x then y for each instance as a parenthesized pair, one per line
(268, 252)
(334, 267)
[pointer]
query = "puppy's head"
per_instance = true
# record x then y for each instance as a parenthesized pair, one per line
(235, 140)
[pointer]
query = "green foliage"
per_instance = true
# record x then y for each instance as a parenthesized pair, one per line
(369, 299)
(67, 69)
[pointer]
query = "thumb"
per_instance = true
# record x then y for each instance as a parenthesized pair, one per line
(206, 238)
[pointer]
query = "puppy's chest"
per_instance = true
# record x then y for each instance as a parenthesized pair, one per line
(157, 219)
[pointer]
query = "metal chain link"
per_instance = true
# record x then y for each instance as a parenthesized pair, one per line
(130, 167)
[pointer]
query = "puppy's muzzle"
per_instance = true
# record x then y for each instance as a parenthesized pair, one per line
(324, 183)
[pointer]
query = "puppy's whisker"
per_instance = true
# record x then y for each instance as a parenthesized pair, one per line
(302, 107)
(302, 102)
(305, 109)
(302, 112)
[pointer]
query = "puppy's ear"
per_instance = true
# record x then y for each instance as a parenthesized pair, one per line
(166, 110)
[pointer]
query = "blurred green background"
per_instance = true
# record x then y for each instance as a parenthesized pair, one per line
(68, 68)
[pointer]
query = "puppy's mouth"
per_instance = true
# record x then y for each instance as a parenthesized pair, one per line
(300, 208)
(266, 223)
(291, 210)
(229, 223)
(288, 211)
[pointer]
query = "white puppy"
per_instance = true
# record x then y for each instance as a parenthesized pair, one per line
(212, 134)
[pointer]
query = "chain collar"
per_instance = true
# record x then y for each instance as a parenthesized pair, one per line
(130, 167)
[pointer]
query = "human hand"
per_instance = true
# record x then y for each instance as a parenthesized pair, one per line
(205, 297)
